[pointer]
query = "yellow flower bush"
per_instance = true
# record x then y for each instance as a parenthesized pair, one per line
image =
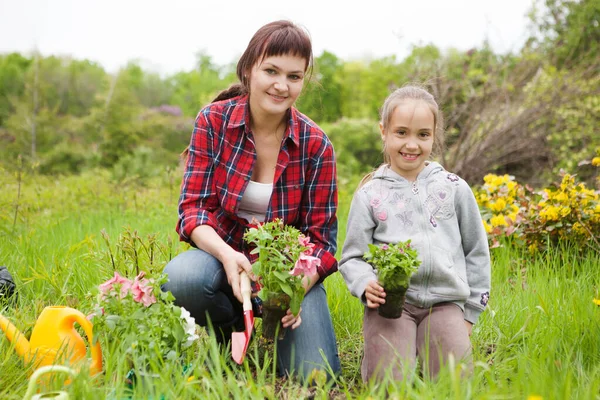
(498, 220)
(596, 163)
(498, 200)
(565, 211)
(549, 213)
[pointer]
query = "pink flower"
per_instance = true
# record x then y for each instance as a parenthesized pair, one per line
(141, 289)
(109, 285)
(92, 315)
(306, 265)
(381, 215)
(384, 247)
(375, 202)
(305, 241)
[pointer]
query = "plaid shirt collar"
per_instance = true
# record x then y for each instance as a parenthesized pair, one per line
(240, 116)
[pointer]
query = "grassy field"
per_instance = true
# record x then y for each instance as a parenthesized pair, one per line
(539, 337)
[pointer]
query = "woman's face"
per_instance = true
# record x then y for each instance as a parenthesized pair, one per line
(276, 83)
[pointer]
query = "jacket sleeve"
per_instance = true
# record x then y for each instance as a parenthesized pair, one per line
(197, 200)
(476, 249)
(319, 206)
(359, 233)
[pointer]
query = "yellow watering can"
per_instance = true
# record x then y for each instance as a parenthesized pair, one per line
(54, 336)
(56, 395)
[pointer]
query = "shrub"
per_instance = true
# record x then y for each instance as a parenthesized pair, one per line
(565, 211)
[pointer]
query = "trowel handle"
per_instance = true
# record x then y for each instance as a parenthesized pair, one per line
(32, 387)
(246, 291)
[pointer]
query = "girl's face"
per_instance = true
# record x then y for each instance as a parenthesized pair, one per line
(408, 139)
(276, 83)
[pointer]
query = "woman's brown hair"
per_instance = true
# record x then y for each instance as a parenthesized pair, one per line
(273, 39)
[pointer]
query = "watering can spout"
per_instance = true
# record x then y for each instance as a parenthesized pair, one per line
(22, 346)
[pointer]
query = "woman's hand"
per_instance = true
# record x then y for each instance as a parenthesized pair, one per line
(308, 281)
(234, 264)
(289, 320)
(374, 295)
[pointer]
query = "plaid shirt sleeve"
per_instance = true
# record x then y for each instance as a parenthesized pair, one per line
(319, 205)
(198, 200)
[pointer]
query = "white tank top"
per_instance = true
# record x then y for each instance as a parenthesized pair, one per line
(255, 201)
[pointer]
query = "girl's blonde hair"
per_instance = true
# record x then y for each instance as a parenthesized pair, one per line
(398, 96)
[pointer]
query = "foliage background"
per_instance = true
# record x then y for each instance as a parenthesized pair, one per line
(527, 114)
(89, 161)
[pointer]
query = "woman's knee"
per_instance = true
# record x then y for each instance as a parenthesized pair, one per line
(194, 278)
(191, 271)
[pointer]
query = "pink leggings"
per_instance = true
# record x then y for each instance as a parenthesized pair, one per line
(392, 345)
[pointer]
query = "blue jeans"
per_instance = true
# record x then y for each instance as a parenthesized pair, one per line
(199, 284)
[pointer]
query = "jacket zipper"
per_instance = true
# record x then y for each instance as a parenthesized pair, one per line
(427, 275)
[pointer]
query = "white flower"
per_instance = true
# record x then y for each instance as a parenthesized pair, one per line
(189, 327)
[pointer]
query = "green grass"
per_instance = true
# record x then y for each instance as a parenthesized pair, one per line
(539, 336)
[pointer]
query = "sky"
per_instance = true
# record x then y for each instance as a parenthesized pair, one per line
(165, 36)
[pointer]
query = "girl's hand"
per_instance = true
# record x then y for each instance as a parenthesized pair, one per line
(289, 320)
(374, 294)
(469, 327)
(234, 264)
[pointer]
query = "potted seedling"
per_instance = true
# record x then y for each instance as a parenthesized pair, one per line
(394, 264)
(284, 258)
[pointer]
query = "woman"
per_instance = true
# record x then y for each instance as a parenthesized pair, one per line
(252, 155)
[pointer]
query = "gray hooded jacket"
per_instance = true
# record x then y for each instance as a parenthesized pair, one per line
(439, 213)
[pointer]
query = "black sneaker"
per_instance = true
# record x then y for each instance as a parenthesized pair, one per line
(7, 285)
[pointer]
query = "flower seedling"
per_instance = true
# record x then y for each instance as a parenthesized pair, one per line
(284, 258)
(394, 263)
(150, 327)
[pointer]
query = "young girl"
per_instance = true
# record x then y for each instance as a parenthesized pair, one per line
(253, 155)
(409, 197)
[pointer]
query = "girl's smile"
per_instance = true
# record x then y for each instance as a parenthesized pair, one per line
(408, 140)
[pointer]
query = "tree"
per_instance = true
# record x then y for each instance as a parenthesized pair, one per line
(115, 122)
(321, 99)
(197, 88)
(355, 91)
(13, 68)
(567, 30)
(86, 82)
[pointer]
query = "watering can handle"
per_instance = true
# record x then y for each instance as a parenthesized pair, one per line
(96, 366)
(41, 371)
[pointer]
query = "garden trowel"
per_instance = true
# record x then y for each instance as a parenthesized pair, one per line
(240, 340)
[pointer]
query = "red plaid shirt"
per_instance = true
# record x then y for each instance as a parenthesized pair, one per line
(219, 166)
